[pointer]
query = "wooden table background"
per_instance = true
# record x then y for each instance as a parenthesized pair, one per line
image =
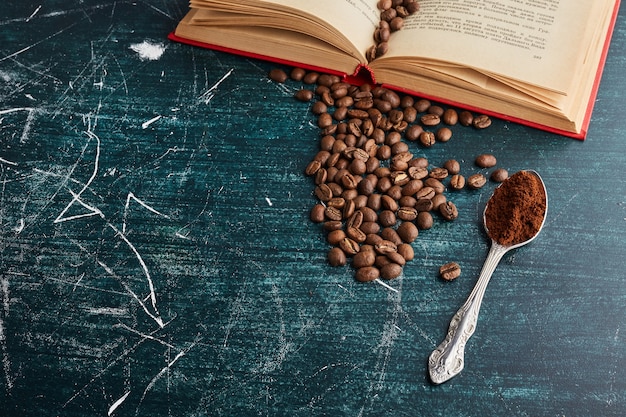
(156, 257)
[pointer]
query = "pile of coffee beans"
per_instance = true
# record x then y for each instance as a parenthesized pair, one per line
(392, 15)
(374, 196)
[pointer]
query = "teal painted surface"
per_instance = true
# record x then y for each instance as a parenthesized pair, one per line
(184, 173)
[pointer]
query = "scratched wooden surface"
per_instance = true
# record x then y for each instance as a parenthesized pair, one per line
(156, 257)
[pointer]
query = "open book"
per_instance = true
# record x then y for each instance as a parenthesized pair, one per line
(536, 62)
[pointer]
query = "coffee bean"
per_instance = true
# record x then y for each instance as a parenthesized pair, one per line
(407, 214)
(424, 220)
(438, 173)
(466, 118)
(349, 246)
(481, 122)
(297, 74)
(396, 23)
(336, 257)
(278, 75)
(312, 167)
(333, 213)
(323, 192)
(413, 132)
(450, 117)
(391, 234)
(387, 218)
(332, 225)
(408, 231)
(317, 213)
(422, 105)
(450, 271)
(427, 139)
(457, 182)
(407, 252)
(426, 193)
(443, 134)
(499, 175)
(448, 211)
(430, 119)
(424, 204)
(385, 246)
(390, 271)
(436, 110)
(476, 181)
(453, 166)
(370, 227)
(336, 235)
(355, 220)
(396, 258)
(364, 259)
(367, 274)
(304, 95)
(356, 234)
(485, 160)
(310, 77)
(418, 173)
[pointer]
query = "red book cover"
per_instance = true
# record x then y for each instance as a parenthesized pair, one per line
(362, 74)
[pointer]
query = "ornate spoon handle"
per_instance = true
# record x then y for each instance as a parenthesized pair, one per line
(446, 361)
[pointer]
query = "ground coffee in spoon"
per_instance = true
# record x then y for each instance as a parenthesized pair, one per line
(516, 210)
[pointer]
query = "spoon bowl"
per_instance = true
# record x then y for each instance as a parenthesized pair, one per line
(447, 360)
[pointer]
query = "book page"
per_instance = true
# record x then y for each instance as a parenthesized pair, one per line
(540, 42)
(356, 20)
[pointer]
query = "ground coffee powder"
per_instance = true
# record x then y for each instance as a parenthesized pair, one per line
(516, 210)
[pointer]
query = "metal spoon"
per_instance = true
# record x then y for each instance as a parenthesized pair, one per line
(446, 361)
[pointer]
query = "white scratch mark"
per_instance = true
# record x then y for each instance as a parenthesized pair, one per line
(269, 202)
(146, 336)
(27, 126)
(148, 50)
(145, 125)
(389, 287)
(117, 403)
(76, 196)
(165, 369)
(33, 14)
(7, 111)
(21, 51)
(4, 161)
(145, 271)
(158, 320)
(6, 361)
(132, 197)
(208, 95)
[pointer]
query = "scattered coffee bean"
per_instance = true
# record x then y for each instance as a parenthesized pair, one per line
(499, 175)
(485, 160)
(466, 118)
(278, 75)
(481, 122)
(457, 182)
(336, 257)
(367, 274)
(453, 166)
(450, 271)
(424, 220)
(390, 271)
(374, 193)
(450, 117)
(448, 210)
(304, 95)
(476, 181)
